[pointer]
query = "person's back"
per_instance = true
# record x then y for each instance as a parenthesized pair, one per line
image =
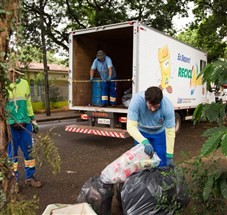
(18, 106)
(103, 67)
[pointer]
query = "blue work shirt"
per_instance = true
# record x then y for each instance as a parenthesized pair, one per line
(148, 121)
(103, 67)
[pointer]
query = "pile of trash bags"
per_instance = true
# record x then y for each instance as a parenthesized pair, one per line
(142, 187)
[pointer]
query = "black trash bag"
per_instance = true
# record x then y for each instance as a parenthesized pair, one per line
(159, 191)
(97, 194)
(117, 191)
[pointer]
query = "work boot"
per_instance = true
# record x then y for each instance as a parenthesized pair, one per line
(33, 182)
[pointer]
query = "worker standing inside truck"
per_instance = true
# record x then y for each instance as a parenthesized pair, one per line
(103, 64)
(21, 119)
(151, 122)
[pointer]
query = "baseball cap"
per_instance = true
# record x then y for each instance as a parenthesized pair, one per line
(100, 54)
(16, 71)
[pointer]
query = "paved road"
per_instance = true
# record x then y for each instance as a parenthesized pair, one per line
(84, 156)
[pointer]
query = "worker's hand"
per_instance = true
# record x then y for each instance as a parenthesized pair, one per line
(169, 162)
(91, 79)
(108, 79)
(35, 127)
(149, 150)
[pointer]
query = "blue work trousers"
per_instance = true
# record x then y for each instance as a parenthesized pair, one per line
(109, 93)
(22, 138)
(158, 141)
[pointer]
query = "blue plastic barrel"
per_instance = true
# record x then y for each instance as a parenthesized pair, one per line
(96, 93)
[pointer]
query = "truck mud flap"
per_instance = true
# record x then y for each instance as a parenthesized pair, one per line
(99, 131)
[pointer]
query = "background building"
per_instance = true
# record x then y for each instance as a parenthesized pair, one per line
(58, 84)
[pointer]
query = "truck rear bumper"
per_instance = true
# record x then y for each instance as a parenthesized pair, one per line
(99, 131)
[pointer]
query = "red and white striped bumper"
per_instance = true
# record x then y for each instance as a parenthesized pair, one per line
(106, 132)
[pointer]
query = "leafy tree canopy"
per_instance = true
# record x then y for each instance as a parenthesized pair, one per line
(209, 29)
(158, 13)
(61, 17)
(54, 23)
(30, 53)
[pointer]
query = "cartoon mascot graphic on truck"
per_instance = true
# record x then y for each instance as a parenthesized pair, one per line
(165, 70)
(164, 62)
(195, 81)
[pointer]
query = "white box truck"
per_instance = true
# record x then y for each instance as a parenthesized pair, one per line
(143, 57)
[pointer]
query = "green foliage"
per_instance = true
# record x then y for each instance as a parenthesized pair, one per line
(62, 17)
(29, 53)
(5, 172)
(157, 13)
(214, 142)
(54, 93)
(214, 112)
(213, 184)
(12, 204)
(214, 46)
(190, 37)
(214, 73)
(217, 137)
(24, 207)
(210, 21)
(54, 23)
(223, 187)
(46, 152)
(206, 185)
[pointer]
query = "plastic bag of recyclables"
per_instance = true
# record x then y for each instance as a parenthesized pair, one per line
(131, 161)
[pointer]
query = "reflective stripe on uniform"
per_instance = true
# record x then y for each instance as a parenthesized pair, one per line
(105, 98)
(112, 99)
(15, 166)
(29, 163)
(17, 99)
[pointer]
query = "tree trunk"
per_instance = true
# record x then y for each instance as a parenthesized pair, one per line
(46, 82)
(10, 8)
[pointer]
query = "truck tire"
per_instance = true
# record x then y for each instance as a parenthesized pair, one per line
(177, 123)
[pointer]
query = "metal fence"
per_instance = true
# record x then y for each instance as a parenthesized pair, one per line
(55, 93)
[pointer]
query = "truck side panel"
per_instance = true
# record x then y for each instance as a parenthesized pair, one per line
(172, 65)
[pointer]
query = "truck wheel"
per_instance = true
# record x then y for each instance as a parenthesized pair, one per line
(177, 122)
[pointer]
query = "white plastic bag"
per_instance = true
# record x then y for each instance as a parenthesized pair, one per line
(60, 209)
(131, 161)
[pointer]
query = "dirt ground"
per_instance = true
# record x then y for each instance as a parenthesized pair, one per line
(84, 156)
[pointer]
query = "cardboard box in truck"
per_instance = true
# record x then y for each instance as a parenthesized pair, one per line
(143, 57)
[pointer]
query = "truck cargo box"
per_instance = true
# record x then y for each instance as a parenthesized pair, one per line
(143, 57)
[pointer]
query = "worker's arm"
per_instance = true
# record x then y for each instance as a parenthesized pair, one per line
(132, 128)
(110, 71)
(170, 140)
(92, 73)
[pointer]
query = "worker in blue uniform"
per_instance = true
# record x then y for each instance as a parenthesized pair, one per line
(103, 64)
(151, 122)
